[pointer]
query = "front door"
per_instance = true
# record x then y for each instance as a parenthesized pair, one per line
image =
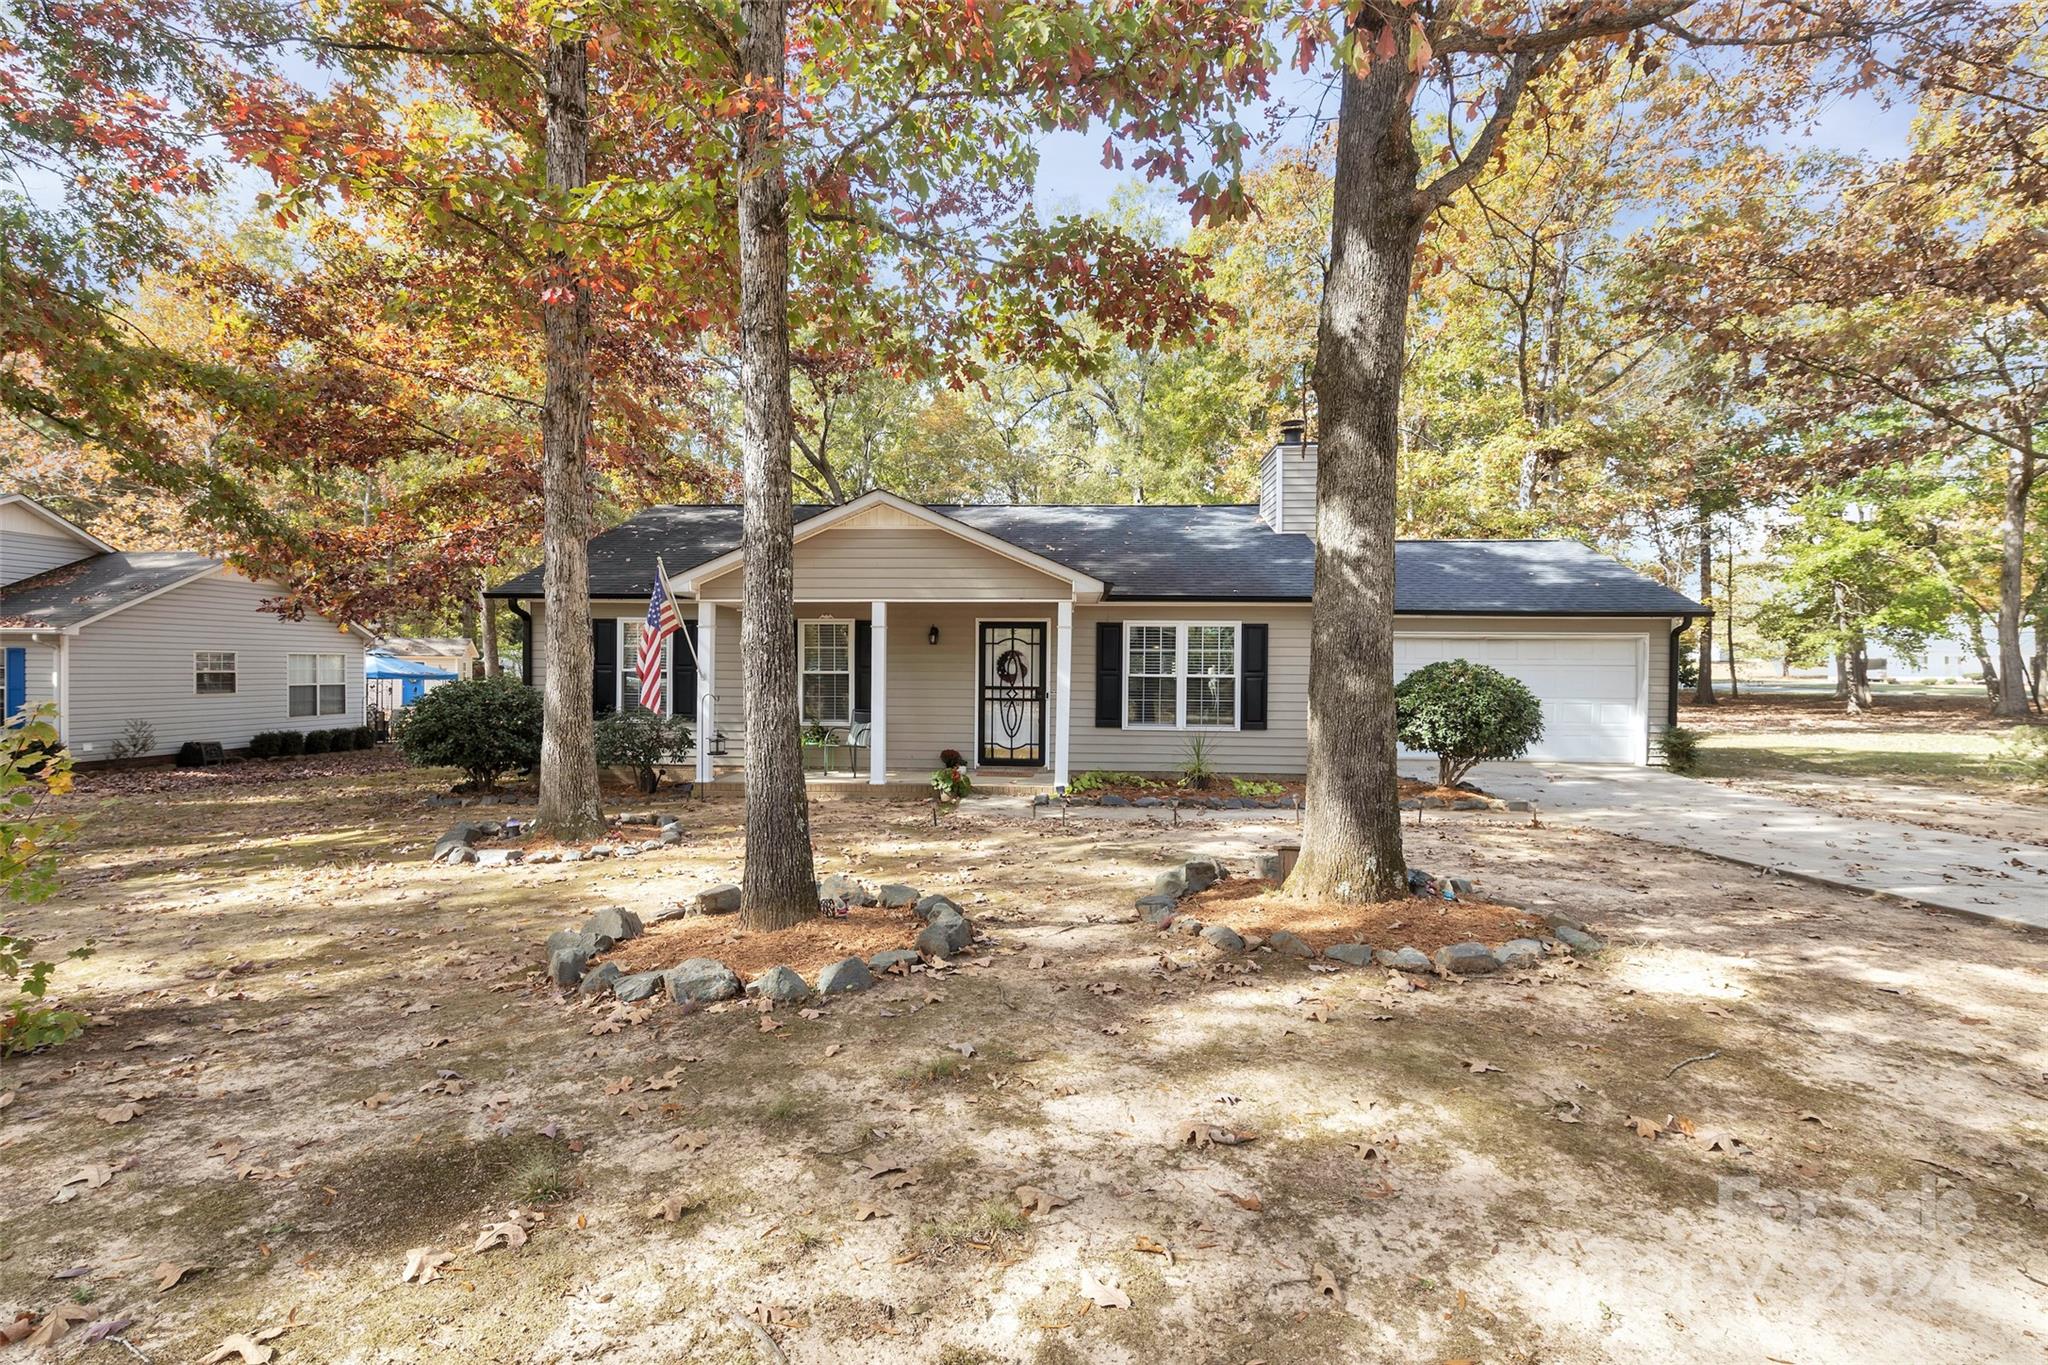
(1012, 672)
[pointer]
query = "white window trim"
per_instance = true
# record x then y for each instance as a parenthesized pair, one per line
(317, 685)
(234, 670)
(1180, 666)
(629, 663)
(802, 673)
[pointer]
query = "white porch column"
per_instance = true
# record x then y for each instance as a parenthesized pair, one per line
(878, 693)
(1063, 692)
(707, 702)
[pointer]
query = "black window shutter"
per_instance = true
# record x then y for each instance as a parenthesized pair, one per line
(604, 666)
(682, 671)
(1252, 649)
(1109, 675)
(863, 666)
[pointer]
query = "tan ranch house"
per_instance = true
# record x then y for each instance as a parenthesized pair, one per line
(1043, 641)
(172, 638)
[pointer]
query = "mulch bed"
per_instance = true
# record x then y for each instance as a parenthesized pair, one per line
(153, 779)
(806, 947)
(1252, 906)
(1223, 787)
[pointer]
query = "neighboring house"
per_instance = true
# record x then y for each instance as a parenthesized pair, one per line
(172, 638)
(1046, 641)
(392, 682)
(453, 653)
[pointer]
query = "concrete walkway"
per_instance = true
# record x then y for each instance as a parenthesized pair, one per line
(1996, 879)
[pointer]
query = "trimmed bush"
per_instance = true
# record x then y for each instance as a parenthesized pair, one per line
(318, 741)
(341, 740)
(290, 743)
(642, 741)
(366, 738)
(1681, 749)
(484, 726)
(264, 744)
(1466, 714)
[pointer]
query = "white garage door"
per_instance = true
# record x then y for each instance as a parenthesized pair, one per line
(1591, 687)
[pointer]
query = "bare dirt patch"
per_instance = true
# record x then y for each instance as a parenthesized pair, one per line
(805, 947)
(1252, 906)
(1411, 788)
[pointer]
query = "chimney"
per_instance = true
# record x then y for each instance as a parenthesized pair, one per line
(1287, 481)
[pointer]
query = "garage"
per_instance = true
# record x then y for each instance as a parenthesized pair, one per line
(1593, 687)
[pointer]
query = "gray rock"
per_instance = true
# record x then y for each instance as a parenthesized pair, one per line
(719, 900)
(1172, 882)
(1157, 911)
(625, 851)
(1186, 924)
(944, 935)
(700, 981)
(1201, 873)
(1404, 960)
(842, 887)
(638, 986)
(1409, 803)
(1461, 886)
(460, 853)
(850, 975)
(927, 906)
(1267, 803)
(897, 896)
(1579, 941)
(1112, 799)
(544, 855)
(1289, 945)
(894, 957)
(600, 851)
(779, 984)
(572, 855)
(668, 821)
(1519, 805)
(1356, 954)
(565, 965)
(1467, 959)
(488, 829)
(1224, 937)
(1433, 803)
(1519, 953)
(1148, 803)
(670, 835)
(614, 922)
(1235, 803)
(460, 835)
(1469, 803)
(1254, 942)
(637, 817)
(1266, 866)
(1557, 917)
(1418, 879)
(599, 980)
(591, 943)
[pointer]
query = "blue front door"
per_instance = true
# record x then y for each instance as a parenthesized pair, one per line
(17, 683)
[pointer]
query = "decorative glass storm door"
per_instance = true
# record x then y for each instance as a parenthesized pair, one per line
(1013, 693)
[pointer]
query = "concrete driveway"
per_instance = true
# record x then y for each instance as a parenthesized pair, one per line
(1997, 879)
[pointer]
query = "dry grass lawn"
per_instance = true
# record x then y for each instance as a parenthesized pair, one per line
(340, 1054)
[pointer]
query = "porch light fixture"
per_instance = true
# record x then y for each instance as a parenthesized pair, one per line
(932, 636)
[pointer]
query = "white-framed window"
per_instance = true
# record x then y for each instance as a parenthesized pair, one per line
(316, 684)
(825, 672)
(213, 672)
(630, 630)
(1182, 675)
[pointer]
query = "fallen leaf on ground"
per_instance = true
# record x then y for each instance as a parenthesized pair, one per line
(1035, 1201)
(379, 1100)
(510, 1234)
(1211, 1135)
(1101, 1294)
(863, 1213)
(58, 1323)
(170, 1273)
(250, 1348)
(1250, 1203)
(834, 1049)
(424, 1264)
(1147, 1245)
(1477, 1067)
(1646, 1128)
(120, 1113)
(619, 1086)
(691, 1141)
(671, 1209)
(1325, 1283)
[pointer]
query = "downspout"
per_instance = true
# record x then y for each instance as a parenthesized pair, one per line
(525, 642)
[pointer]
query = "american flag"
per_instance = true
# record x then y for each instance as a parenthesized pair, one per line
(662, 622)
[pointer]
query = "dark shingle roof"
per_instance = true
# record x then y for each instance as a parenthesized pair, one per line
(79, 591)
(1205, 553)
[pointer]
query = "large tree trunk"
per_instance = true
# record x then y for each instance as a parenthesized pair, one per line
(2010, 701)
(1859, 674)
(1703, 691)
(778, 887)
(568, 753)
(487, 612)
(1351, 845)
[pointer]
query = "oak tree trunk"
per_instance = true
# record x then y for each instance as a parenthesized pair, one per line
(1703, 691)
(778, 887)
(568, 753)
(2010, 700)
(1351, 840)
(1859, 674)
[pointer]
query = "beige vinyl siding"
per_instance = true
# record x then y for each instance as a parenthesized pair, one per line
(1281, 748)
(138, 662)
(921, 564)
(42, 666)
(29, 545)
(726, 666)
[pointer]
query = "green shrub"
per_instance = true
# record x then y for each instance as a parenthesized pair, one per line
(366, 738)
(484, 726)
(1195, 768)
(1681, 748)
(1466, 714)
(291, 743)
(342, 740)
(136, 740)
(1101, 779)
(642, 741)
(33, 767)
(1245, 786)
(264, 744)
(950, 784)
(318, 741)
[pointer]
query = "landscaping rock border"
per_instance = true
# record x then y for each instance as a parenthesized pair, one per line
(1113, 801)
(946, 932)
(1159, 907)
(459, 844)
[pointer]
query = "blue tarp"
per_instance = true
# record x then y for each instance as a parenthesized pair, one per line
(377, 665)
